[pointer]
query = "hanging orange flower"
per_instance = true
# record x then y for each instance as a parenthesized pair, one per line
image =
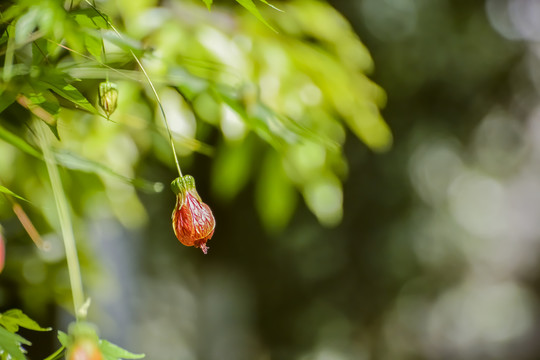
(193, 221)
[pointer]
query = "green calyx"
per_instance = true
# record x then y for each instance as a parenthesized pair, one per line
(184, 184)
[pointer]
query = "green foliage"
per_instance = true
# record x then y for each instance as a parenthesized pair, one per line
(280, 89)
(10, 343)
(295, 95)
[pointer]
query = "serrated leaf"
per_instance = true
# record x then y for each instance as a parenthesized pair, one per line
(252, 8)
(19, 143)
(5, 190)
(208, 3)
(15, 318)
(10, 343)
(114, 352)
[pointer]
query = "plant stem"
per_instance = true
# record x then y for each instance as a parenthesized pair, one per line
(65, 223)
(171, 141)
(162, 112)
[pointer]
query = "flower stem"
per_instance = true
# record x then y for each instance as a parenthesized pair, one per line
(171, 141)
(65, 223)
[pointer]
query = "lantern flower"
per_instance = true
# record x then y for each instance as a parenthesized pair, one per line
(193, 221)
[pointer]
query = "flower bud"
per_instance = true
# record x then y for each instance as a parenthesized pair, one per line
(84, 349)
(193, 221)
(108, 96)
(83, 342)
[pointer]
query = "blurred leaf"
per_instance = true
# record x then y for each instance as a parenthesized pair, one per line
(90, 18)
(208, 3)
(232, 169)
(252, 8)
(9, 192)
(77, 162)
(10, 343)
(275, 194)
(19, 143)
(113, 352)
(15, 318)
(26, 25)
(324, 197)
(93, 45)
(39, 48)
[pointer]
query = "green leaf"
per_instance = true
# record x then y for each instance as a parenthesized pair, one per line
(19, 143)
(252, 8)
(59, 85)
(93, 45)
(208, 3)
(90, 18)
(15, 318)
(10, 343)
(113, 352)
(5, 190)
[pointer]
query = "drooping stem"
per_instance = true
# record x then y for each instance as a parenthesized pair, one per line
(169, 133)
(65, 223)
(162, 112)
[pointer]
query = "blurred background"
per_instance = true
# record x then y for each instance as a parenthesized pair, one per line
(350, 244)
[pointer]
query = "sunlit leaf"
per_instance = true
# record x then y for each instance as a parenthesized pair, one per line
(15, 318)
